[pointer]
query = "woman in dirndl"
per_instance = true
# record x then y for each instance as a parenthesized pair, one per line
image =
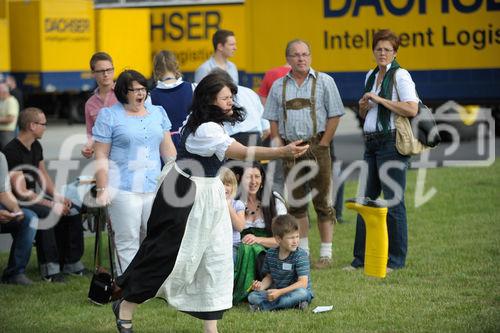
(186, 257)
(261, 207)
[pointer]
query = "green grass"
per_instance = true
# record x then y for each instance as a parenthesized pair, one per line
(451, 282)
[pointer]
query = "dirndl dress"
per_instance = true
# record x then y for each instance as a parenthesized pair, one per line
(186, 257)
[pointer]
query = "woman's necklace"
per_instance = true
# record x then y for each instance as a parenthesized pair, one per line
(252, 212)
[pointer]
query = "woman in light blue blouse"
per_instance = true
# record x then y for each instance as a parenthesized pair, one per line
(131, 138)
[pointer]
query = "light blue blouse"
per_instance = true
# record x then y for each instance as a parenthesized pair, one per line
(134, 157)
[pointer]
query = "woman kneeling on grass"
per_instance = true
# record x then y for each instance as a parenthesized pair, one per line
(186, 257)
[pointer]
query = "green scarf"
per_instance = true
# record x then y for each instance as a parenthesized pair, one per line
(383, 114)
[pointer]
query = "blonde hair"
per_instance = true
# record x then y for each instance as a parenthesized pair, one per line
(163, 62)
(228, 178)
(28, 116)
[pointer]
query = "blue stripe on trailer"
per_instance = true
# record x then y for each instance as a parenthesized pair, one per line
(54, 81)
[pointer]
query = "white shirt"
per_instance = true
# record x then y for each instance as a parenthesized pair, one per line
(210, 64)
(405, 89)
(210, 138)
(163, 85)
(250, 101)
(4, 174)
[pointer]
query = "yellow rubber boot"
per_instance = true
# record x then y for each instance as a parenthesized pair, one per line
(374, 213)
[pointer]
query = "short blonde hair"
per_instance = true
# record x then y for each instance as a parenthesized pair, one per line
(228, 178)
(28, 116)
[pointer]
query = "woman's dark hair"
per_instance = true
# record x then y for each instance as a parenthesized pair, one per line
(203, 109)
(124, 83)
(268, 208)
(388, 35)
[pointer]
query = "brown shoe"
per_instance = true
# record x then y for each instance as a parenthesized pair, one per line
(323, 262)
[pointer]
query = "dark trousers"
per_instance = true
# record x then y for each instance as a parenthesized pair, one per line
(23, 234)
(61, 245)
(338, 188)
(377, 152)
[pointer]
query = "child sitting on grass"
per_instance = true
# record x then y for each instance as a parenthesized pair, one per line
(236, 207)
(287, 282)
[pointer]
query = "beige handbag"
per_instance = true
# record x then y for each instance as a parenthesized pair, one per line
(406, 143)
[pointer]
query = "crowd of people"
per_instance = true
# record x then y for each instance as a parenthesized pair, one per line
(191, 205)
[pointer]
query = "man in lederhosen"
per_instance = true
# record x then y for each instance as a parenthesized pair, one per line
(305, 104)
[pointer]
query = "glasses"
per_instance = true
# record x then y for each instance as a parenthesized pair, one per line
(138, 90)
(381, 49)
(104, 71)
(41, 124)
(299, 55)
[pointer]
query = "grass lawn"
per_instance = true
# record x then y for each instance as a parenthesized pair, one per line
(451, 282)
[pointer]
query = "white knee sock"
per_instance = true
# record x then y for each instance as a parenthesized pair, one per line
(304, 244)
(325, 250)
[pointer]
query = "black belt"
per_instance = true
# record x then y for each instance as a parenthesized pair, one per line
(379, 135)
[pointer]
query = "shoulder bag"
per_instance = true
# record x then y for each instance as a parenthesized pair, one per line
(423, 125)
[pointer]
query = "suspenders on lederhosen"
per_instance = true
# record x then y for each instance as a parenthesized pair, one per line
(300, 103)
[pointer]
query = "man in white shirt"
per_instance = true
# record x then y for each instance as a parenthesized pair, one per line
(9, 111)
(224, 44)
(249, 132)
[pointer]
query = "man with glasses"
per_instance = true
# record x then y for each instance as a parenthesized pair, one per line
(103, 71)
(59, 239)
(306, 105)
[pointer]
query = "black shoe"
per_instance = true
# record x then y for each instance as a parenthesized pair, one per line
(120, 322)
(19, 279)
(365, 201)
(82, 272)
(55, 278)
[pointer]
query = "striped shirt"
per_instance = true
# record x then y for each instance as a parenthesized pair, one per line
(286, 272)
(299, 122)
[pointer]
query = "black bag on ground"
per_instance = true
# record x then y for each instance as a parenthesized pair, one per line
(101, 288)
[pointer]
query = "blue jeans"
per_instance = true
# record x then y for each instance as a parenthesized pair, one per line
(20, 251)
(378, 151)
(287, 301)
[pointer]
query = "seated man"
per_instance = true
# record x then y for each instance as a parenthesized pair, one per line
(59, 242)
(21, 224)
